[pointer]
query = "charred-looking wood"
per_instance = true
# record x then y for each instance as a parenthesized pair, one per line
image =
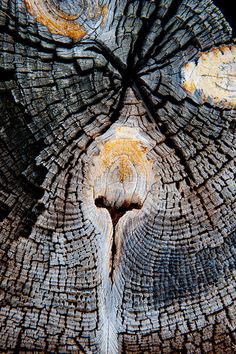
(117, 177)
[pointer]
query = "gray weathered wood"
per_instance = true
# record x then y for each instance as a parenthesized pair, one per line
(117, 181)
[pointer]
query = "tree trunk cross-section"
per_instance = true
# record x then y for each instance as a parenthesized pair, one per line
(117, 177)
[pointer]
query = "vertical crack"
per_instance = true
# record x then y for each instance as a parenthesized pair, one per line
(115, 213)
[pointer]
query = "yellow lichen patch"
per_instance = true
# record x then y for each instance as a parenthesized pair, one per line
(126, 150)
(122, 171)
(58, 22)
(123, 152)
(104, 13)
(213, 76)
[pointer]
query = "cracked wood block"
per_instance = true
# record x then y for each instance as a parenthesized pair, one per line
(213, 76)
(117, 177)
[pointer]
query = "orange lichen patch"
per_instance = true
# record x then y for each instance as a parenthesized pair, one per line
(213, 76)
(103, 13)
(122, 170)
(123, 153)
(55, 24)
(58, 22)
(126, 151)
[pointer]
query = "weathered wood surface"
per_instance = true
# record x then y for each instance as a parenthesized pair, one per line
(117, 179)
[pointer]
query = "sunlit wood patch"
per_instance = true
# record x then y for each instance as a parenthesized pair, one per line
(123, 171)
(213, 76)
(67, 18)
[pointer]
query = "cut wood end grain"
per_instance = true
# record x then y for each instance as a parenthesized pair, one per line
(213, 76)
(123, 171)
(58, 22)
(123, 150)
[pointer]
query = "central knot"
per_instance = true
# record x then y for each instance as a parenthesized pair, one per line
(122, 170)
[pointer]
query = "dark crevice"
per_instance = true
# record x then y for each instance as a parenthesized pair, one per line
(113, 255)
(232, 126)
(171, 13)
(33, 187)
(116, 212)
(30, 219)
(18, 348)
(7, 75)
(169, 140)
(101, 48)
(81, 348)
(143, 33)
(4, 210)
(228, 10)
(173, 8)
